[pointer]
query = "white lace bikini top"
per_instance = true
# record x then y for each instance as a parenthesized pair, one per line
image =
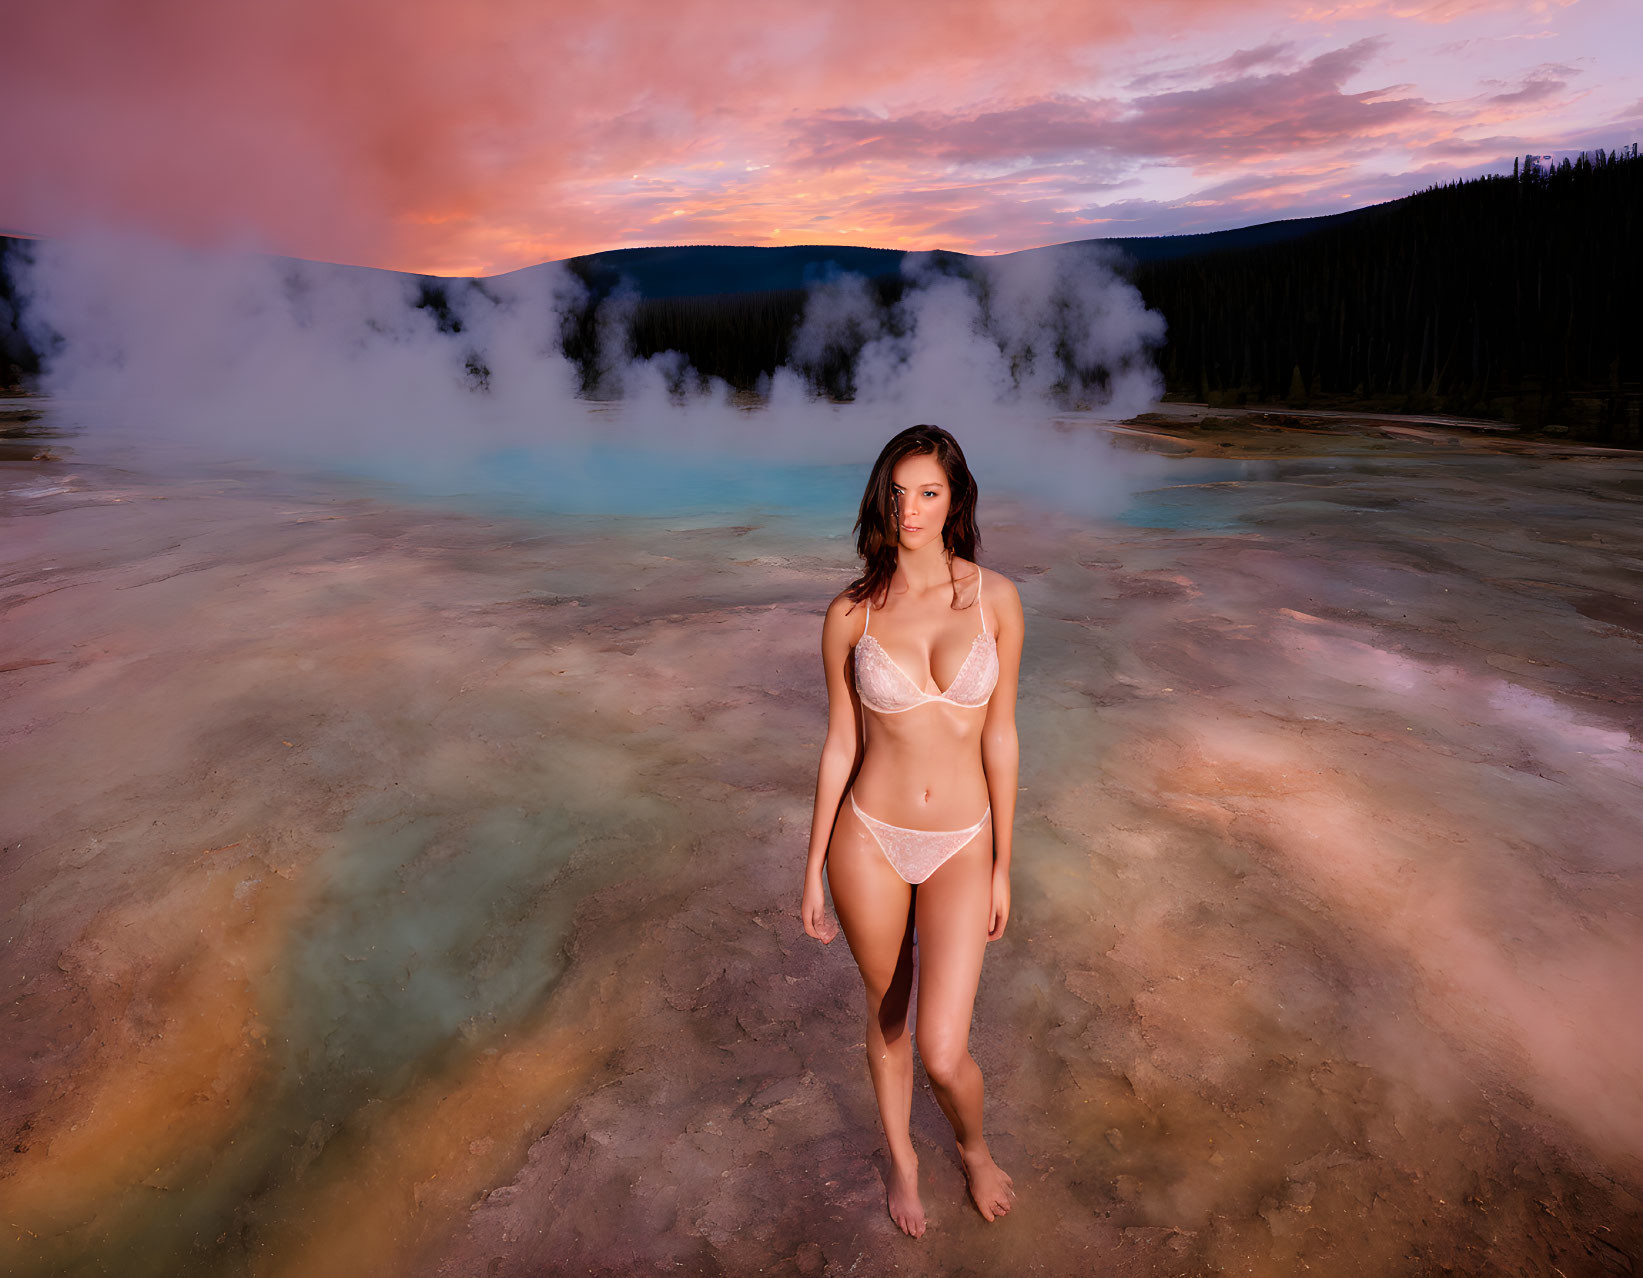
(887, 688)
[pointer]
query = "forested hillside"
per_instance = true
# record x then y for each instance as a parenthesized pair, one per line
(1504, 296)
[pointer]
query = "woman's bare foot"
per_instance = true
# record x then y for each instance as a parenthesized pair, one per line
(906, 1208)
(990, 1184)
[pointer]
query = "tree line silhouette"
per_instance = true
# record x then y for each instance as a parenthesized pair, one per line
(1511, 297)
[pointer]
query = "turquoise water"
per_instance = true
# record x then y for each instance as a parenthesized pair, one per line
(604, 480)
(1181, 507)
(581, 476)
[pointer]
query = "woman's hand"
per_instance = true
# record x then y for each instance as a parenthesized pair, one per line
(1001, 904)
(813, 911)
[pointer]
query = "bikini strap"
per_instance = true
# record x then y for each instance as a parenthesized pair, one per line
(978, 600)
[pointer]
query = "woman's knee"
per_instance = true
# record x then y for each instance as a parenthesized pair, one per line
(944, 1058)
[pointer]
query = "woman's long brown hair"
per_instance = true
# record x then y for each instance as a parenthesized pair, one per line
(878, 529)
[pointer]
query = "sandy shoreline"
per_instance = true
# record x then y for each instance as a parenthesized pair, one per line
(403, 892)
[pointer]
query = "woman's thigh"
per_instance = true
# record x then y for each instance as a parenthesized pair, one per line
(874, 904)
(953, 910)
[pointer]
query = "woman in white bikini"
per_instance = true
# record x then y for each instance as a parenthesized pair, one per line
(923, 739)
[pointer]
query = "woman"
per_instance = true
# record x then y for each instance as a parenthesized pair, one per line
(922, 653)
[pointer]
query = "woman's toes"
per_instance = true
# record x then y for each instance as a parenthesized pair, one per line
(990, 1185)
(903, 1201)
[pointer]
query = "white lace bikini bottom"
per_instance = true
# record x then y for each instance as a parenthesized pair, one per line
(917, 854)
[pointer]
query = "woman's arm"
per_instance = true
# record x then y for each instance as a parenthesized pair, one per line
(840, 757)
(1000, 750)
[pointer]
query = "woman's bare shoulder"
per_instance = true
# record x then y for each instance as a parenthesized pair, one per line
(843, 613)
(998, 591)
(842, 605)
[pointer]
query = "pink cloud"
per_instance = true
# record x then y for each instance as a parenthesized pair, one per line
(465, 137)
(1434, 11)
(360, 128)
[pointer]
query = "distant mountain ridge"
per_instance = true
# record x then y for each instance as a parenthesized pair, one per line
(713, 270)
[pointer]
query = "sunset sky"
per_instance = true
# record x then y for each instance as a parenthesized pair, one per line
(470, 138)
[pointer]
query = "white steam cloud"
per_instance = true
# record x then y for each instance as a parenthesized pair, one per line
(285, 361)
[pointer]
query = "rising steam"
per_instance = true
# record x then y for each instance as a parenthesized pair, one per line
(284, 360)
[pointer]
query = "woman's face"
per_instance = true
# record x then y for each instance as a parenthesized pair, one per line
(918, 486)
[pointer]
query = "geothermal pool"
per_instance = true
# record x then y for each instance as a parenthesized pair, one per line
(401, 867)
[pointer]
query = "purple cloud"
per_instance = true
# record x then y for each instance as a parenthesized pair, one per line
(1234, 63)
(1247, 116)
